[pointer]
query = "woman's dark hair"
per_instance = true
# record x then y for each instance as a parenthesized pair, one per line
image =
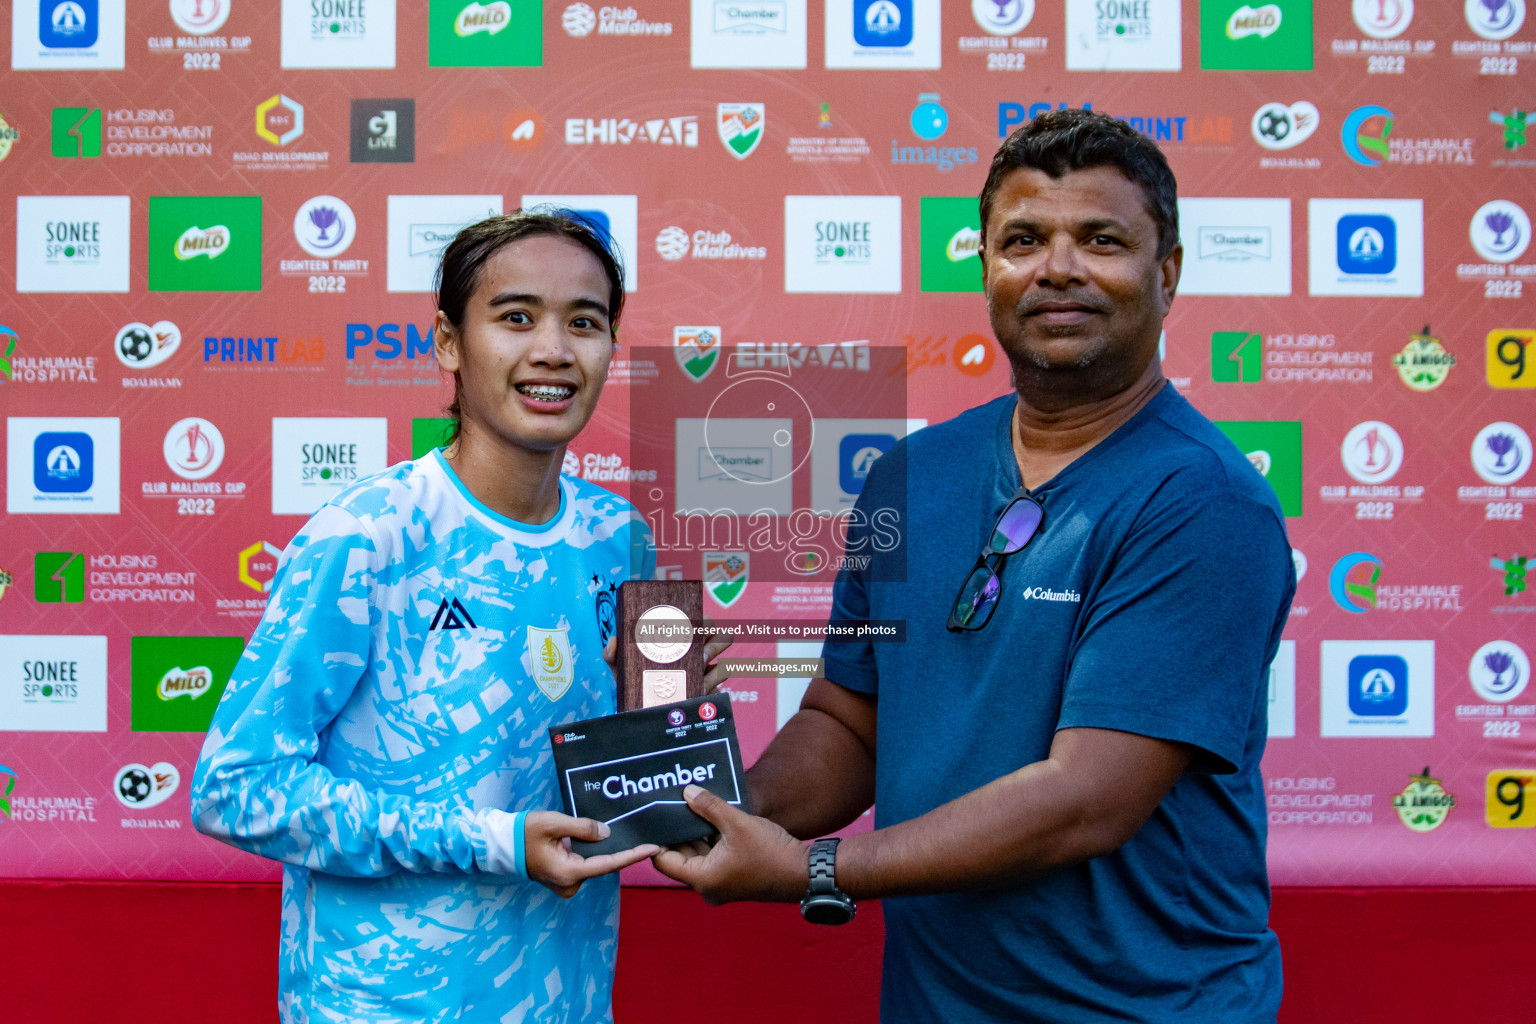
(1059, 141)
(458, 273)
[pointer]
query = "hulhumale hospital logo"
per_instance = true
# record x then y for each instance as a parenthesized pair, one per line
(7, 785)
(1353, 581)
(1365, 135)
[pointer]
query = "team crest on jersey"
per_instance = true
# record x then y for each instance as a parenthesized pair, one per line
(741, 127)
(725, 575)
(549, 660)
(697, 350)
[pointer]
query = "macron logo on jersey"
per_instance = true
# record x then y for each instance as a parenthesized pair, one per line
(451, 615)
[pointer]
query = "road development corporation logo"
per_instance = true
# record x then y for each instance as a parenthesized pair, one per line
(1425, 804)
(258, 566)
(1383, 19)
(279, 120)
(1499, 671)
(1423, 364)
(1501, 453)
(1278, 126)
(1500, 231)
(144, 346)
(338, 34)
(1352, 583)
(549, 661)
(1495, 19)
(139, 787)
(324, 226)
(697, 350)
(726, 574)
(741, 127)
(193, 448)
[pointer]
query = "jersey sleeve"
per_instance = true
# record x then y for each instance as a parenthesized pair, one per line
(257, 786)
(1178, 638)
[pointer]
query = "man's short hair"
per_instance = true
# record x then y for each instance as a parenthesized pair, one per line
(1059, 141)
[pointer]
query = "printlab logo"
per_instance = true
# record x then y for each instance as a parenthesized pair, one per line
(697, 350)
(1273, 448)
(1003, 17)
(140, 787)
(1278, 126)
(1352, 583)
(1372, 452)
(143, 346)
(1423, 363)
(1509, 353)
(383, 131)
(1256, 37)
(1501, 453)
(200, 17)
(1383, 19)
(1365, 134)
(58, 577)
(324, 226)
(176, 681)
(193, 448)
(1495, 19)
(950, 244)
(1500, 231)
(741, 127)
(725, 575)
(205, 243)
(1499, 671)
(500, 34)
(549, 661)
(1425, 804)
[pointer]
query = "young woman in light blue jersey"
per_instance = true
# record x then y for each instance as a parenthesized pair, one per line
(384, 735)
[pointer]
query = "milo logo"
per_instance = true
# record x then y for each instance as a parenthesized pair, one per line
(180, 682)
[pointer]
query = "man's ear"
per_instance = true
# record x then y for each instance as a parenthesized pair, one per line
(445, 343)
(1168, 276)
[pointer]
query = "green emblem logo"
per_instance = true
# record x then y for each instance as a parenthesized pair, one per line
(205, 243)
(58, 577)
(501, 34)
(76, 132)
(176, 681)
(1237, 357)
(950, 240)
(1274, 449)
(1246, 36)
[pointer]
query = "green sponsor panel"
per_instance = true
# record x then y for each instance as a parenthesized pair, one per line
(1237, 357)
(427, 434)
(1274, 448)
(950, 238)
(177, 680)
(1242, 35)
(205, 243)
(76, 132)
(58, 577)
(500, 34)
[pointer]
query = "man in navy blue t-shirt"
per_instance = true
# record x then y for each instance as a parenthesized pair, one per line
(1064, 752)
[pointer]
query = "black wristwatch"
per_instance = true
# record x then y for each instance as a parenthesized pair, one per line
(824, 902)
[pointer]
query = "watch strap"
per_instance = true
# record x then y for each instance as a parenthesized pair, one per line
(823, 867)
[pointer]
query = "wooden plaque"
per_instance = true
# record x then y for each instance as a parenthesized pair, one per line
(656, 673)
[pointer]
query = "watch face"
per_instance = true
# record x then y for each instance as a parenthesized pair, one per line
(827, 909)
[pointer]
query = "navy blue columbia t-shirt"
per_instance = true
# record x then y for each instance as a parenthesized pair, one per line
(1150, 601)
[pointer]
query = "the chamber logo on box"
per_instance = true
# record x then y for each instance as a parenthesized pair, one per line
(761, 34)
(420, 228)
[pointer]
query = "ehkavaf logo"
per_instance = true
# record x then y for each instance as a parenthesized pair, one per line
(621, 131)
(779, 355)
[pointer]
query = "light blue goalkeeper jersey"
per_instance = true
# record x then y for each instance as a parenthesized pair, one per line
(415, 648)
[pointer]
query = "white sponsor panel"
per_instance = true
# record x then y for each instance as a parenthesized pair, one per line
(842, 244)
(1235, 246)
(315, 457)
(619, 215)
(65, 465)
(338, 35)
(1378, 688)
(1282, 692)
(747, 33)
(420, 228)
(1365, 247)
(72, 243)
(61, 35)
(1142, 36)
(890, 34)
(53, 683)
(735, 466)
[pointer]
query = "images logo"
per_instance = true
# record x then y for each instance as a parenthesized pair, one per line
(279, 120)
(383, 131)
(141, 346)
(58, 577)
(224, 229)
(1372, 452)
(193, 448)
(1273, 447)
(1002, 17)
(324, 226)
(697, 350)
(725, 575)
(1507, 356)
(1501, 453)
(200, 17)
(1500, 231)
(1423, 363)
(140, 787)
(1495, 19)
(167, 696)
(1363, 145)
(76, 132)
(1277, 126)
(741, 127)
(1499, 671)
(498, 34)
(1383, 19)
(549, 661)
(929, 119)
(1357, 595)
(1425, 804)
(1267, 37)
(950, 241)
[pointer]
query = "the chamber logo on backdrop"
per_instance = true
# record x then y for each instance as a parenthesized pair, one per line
(383, 131)
(1378, 688)
(949, 244)
(62, 465)
(1143, 36)
(53, 683)
(1235, 246)
(420, 228)
(204, 243)
(72, 243)
(68, 35)
(619, 216)
(747, 33)
(842, 244)
(500, 34)
(889, 34)
(580, 20)
(315, 458)
(1238, 35)
(176, 681)
(1495, 19)
(338, 34)
(1366, 247)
